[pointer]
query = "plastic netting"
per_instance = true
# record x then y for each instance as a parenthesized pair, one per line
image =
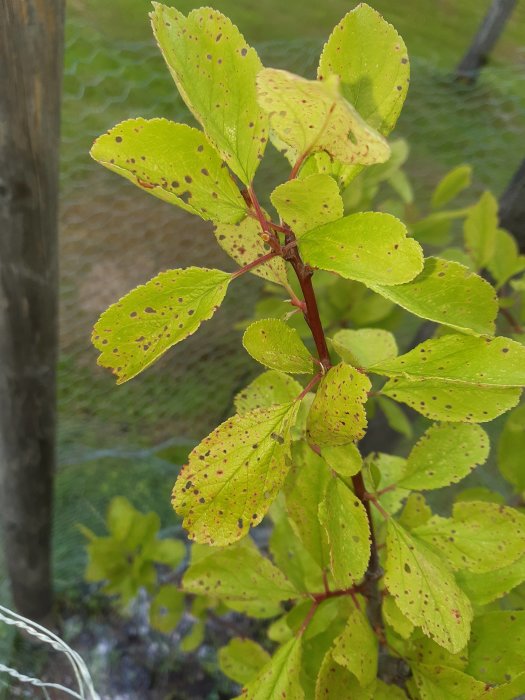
(125, 440)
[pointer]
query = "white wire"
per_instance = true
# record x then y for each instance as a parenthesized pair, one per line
(83, 678)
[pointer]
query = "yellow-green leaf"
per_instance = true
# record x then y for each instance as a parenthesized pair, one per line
(233, 476)
(167, 608)
(279, 678)
(337, 415)
(480, 229)
(370, 247)
(173, 162)
(356, 648)
(511, 448)
(345, 460)
(268, 389)
(364, 347)
(454, 182)
(496, 652)
(278, 346)
(440, 682)
(241, 659)
(150, 319)
(214, 70)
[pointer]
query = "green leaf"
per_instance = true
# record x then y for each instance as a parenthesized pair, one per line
(369, 247)
(268, 389)
(275, 344)
(506, 261)
(166, 609)
(480, 229)
(279, 678)
(356, 648)
(335, 681)
(386, 691)
(240, 576)
(194, 638)
(382, 471)
(452, 184)
(345, 521)
(233, 476)
(310, 116)
(395, 417)
(444, 455)
(395, 618)
(345, 460)
(214, 70)
(168, 551)
(243, 243)
(241, 659)
(415, 512)
(308, 203)
(511, 448)
(371, 59)
(425, 590)
(447, 293)
(479, 536)
(364, 347)
(173, 162)
(337, 415)
(139, 328)
(440, 682)
(496, 652)
(484, 588)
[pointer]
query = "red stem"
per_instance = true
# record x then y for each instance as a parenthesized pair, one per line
(313, 381)
(254, 263)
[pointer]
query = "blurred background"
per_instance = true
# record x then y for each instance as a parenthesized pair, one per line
(128, 440)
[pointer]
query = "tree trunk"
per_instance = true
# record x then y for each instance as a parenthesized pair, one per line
(487, 35)
(31, 49)
(512, 207)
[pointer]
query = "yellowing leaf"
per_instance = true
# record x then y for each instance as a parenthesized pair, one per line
(173, 162)
(356, 648)
(241, 659)
(337, 415)
(214, 70)
(448, 293)
(425, 590)
(310, 116)
(308, 203)
(345, 521)
(139, 328)
(369, 247)
(364, 347)
(480, 229)
(279, 678)
(278, 346)
(444, 455)
(479, 536)
(242, 242)
(268, 389)
(233, 476)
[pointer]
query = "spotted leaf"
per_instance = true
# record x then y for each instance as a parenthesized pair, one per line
(496, 652)
(356, 648)
(173, 162)
(214, 70)
(266, 390)
(234, 474)
(139, 328)
(278, 346)
(280, 677)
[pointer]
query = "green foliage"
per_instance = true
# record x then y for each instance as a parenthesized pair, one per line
(352, 566)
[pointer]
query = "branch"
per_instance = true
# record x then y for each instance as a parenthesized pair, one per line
(253, 264)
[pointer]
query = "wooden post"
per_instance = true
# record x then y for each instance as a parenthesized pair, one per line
(487, 35)
(31, 51)
(512, 207)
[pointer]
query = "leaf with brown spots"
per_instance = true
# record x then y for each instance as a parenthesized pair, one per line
(356, 648)
(280, 677)
(425, 589)
(345, 521)
(215, 69)
(337, 415)
(277, 345)
(266, 390)
(309, 116)
(243, 243)
(440, 682)
(369, 247)
(175, 163)
(150, 319)
(335, 681)
(308, 203)
(496, 652)
(234, 474)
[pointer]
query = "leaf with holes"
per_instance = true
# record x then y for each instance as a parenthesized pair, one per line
(425, 590)
(337, 414)
(214, 70)
(309, 116)
(444, 455)
(278, 346)
(479, 537)
(241, 659)
(233, 476)
(173, 162)
(280, 677)
(364, 347)
(480, 229)
(308, 203)
(243, 243)
(448, 293)
(345, 521)
(268, 389)
(452, 184)
(370, 247)
(356, 648)
(139, 328)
